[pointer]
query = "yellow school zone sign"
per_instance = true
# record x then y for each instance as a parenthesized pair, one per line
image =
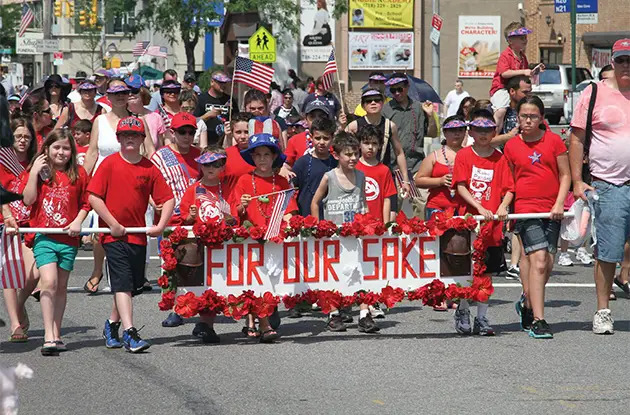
(262, 46)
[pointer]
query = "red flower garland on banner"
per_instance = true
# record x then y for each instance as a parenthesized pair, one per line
(215, 233)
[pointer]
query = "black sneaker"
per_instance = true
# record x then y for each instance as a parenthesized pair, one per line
(367, 325)
(540, 330)
(295, 313)
(205, 333)
(335, 323)
(346, 315)
(625, 287)
(527, 318)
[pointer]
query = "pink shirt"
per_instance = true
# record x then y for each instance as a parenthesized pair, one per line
(609, 154)
(156, 127)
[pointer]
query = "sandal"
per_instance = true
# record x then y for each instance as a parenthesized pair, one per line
(18, 337)
(441, 307)
(49, 350)
(251, 332)
(269, 336)
(61, 347)
(27, 323)
(90, 287)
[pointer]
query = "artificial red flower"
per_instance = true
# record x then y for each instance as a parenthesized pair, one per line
(264, 305)
(325, 229)
(296, 222)
(348, 301)
(178, 235)
(188, 305)
(256, 233)
(368, 298)
(346, 229)
(390, 296)
(163, 281)
(483, 289)
(169, 264)
(236, 307)
(328, 300)
(241, 232)
(310, 222)
(291, 301)
(165, 244)
(168, 301)
(212, 301)
(310, 296)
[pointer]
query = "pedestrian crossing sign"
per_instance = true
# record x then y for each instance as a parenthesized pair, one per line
(262, 46)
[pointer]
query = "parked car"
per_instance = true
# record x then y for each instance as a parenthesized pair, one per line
(554, 88)
(569, 104)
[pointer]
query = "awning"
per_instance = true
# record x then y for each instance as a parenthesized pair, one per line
(603, 39)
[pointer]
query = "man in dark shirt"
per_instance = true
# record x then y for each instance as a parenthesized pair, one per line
(213, 106)
(518, 87)
(325, 96)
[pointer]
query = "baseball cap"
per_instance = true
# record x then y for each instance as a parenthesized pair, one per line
(80, 75)
(317, 105)
(134, 81)
(130, 124)
(621, 48)
(183, 119)
(190, 77)
(14, 97)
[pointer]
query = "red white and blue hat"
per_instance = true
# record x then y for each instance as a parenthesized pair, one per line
(209, 157)
(454, 124)
(87, 85)
(117, 88)
(267, 140)
(264, 125)
(371, 92)
(397, 78)
(134, 81)
(130, 124)
(482, 123)
(377, 76)
(221, 77)
(521, 31)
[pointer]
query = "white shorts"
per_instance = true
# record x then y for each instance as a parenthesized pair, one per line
(500, 99)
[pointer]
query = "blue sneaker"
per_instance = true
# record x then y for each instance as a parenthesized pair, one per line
(173, 320)
(132, 341)
(540, 330)
(110, 334)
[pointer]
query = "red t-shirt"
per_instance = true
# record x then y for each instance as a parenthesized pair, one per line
(125, 188)
(379, 185)
(440, 197)
(257, 212)
(81, 151)
(15, 184)
(487, 179)
(58, 203)
(507, 61)
(297, 147)
(536, 175)
(41, 136)
(235, 166)
(212, 201)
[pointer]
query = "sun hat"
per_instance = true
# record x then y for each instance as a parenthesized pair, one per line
(267, 140)
(117, 88)
(454, 124)
(482, 123)
(521, 31)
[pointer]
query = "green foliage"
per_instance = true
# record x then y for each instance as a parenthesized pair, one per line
(11, 15)
(204, 78)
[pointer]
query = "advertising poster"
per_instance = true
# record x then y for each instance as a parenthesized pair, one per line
(479, 46)
(380, 50)
(317, 30)
(381, 14)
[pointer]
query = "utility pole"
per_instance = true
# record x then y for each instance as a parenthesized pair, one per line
(435, 59)
(573, 70)
(47, 17)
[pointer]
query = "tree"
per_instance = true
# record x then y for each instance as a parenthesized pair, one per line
(185, 20)
(10, 15)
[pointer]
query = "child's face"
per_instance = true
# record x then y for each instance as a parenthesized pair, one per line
(257, 108)
(263, 157)
(240, 134)
(184, 136)
(321, 142)
(455, 136)
(482, 135)
(212, 171)
(369, 149)
(348, 157)
(130, 141)
(60, 153)
(373, 105)
(81, 137)
(529, 118)
(518, 43)
(293, 130)
(188, 106)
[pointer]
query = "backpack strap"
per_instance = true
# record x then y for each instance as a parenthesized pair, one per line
(387, 133)
(589, 119)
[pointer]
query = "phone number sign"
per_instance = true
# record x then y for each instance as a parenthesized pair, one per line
(582, 6)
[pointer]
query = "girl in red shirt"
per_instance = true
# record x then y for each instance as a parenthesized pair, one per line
(56, 188)
(539, 161)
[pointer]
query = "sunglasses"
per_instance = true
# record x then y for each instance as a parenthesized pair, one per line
(171, 91)
(119, 93)
(186, 131)
(57, 86)
(455, 130)
(622, 59)
(482, 130)
(396, 90)
(217, 164)
(371, 100)
(46, 111)
(134, 91)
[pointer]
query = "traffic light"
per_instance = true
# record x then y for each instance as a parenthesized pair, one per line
(93, 19)
(94, 7)
(69, 9)
(82, 18)
(58, 6)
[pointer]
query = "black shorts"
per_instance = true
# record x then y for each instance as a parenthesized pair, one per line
(538, 234)
(495, 260)
(125, 266)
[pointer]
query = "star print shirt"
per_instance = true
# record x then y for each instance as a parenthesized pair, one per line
(213, 202)
(535, 166)
(487, 179)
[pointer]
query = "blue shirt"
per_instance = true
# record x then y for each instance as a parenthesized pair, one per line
(309, 171)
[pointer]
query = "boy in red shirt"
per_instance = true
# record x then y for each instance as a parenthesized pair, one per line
(512, 62)
(483, 179)
(119, 193)
(301, 143)
(235, 166)
(81, 132)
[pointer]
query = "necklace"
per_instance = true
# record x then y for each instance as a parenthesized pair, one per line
(308, 173)
(268, 202)
(450, 169)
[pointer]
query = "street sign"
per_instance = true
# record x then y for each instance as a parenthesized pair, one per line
(586, 18)
(27, 43)
(436, 27)
(582, 6)
(6, 51)
(57, 58)
(48, 45)
(262, 46)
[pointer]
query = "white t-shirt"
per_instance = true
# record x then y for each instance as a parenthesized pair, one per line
(452, 101)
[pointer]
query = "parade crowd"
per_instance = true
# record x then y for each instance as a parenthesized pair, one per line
(110, 152)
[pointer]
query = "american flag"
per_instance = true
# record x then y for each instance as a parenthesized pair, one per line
(331, 67)
(157, 51)
(27, 18)
(253, 74)
(282, 201)
(164, 115)
(175, 174)
(415, 192)
(12, 269)
(140, 47)
(9, 159)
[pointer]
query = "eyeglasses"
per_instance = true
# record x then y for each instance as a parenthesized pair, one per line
(396, 90)
(371, 100)
(186, 131)
(187, 108)
(533, 117)
(23, 137)
(622, 59)
(482, 130)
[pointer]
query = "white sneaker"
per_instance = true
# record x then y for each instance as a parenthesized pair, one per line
(375, 311)
(603, 322)
(564, 259)
(583, 256)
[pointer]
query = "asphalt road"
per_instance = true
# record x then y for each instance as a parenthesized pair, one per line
(415, 364)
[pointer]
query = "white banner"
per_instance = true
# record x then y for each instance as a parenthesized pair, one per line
(380, 50)
(479, 46)
(317, 30)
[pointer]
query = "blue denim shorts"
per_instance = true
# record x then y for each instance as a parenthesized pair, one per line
(538, 234)
(612, 220)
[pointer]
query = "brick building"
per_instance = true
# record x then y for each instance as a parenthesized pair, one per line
(551, 40)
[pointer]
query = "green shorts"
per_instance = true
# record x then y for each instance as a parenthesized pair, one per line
(48, 251)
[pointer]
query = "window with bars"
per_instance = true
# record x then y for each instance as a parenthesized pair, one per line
(551, 56)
